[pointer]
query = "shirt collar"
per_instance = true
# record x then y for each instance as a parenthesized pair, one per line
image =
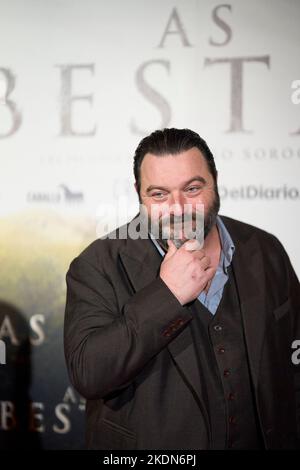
(159, 248)
(227, 244)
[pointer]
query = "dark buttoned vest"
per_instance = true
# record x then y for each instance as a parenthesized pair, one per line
(224, 372)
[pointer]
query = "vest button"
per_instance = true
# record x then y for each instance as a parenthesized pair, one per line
(221, 350)
(218, 328)
(231, 396)
(232, 420)
(226, 372)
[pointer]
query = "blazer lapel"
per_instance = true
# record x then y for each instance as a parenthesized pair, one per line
(249, 275)
(141, 262)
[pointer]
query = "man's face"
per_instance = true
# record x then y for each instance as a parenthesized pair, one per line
(170, 182)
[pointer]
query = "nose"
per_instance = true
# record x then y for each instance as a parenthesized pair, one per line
(177, 202)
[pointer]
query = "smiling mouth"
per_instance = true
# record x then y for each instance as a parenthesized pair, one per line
(180, 231)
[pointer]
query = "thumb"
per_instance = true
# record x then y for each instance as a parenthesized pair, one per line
(171, 250)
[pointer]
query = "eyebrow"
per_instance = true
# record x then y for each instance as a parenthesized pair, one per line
(195, 178)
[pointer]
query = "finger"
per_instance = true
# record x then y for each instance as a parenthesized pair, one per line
(171, 249)
(198, 254)
(210, 272)
(192, 245)
(205, 262)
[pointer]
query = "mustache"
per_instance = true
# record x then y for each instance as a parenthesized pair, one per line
(179, 219)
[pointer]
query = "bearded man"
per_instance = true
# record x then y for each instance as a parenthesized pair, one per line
(182, 337)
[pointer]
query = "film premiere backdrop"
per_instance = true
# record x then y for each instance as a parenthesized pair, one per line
(81, 82)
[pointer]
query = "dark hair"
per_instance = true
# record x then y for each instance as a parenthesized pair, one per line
(171, 141)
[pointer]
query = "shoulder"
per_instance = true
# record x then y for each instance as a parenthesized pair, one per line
(104, 250)
(267, 244)
(244, 231)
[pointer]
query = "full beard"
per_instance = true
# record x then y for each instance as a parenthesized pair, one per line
(176, 224)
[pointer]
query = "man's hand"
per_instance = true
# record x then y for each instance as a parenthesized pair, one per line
(185, 272)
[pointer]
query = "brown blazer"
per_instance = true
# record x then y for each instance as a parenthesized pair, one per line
(129, 349)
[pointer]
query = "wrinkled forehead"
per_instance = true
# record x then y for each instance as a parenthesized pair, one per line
(174, 170)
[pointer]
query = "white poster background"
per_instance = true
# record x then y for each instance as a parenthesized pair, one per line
(141, 65)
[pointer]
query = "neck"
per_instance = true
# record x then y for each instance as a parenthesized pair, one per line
(212, 243)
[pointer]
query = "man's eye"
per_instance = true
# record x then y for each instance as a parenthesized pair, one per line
(158, 195)
(193, 189)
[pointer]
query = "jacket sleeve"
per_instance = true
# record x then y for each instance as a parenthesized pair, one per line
(105, 348)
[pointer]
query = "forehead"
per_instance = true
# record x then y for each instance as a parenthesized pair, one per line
(174, 167)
